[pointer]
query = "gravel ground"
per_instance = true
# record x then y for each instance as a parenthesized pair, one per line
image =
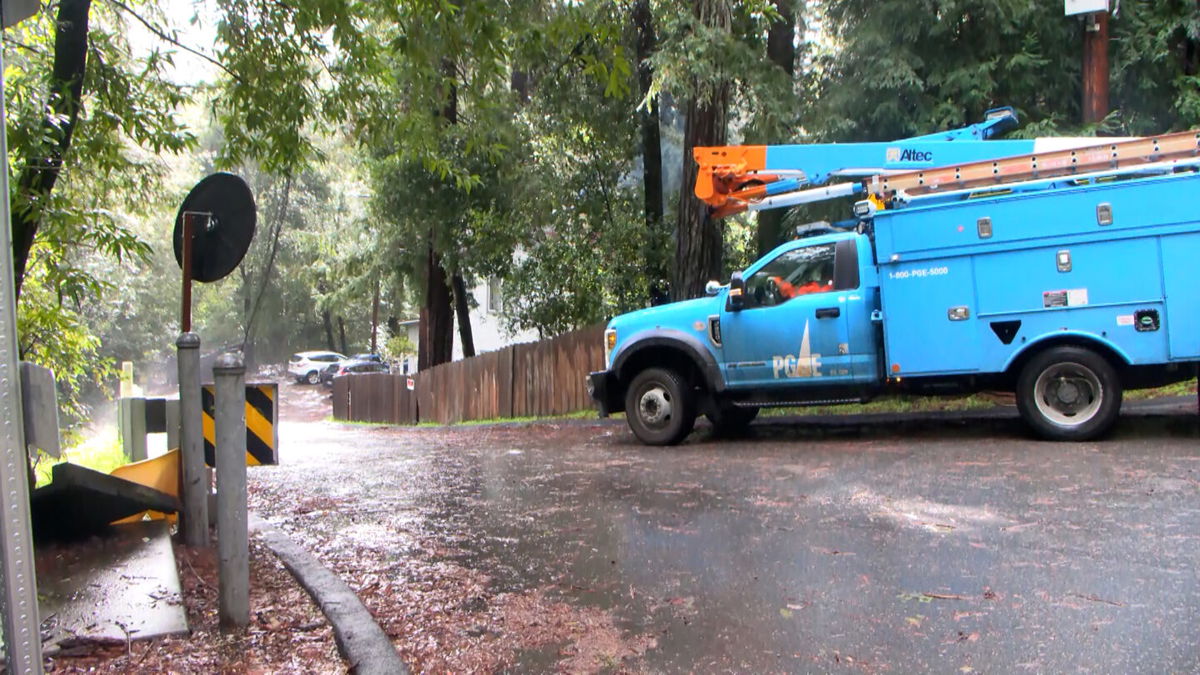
(287, 632)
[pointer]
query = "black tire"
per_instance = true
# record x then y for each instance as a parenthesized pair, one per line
(660, 407)
(313, 377)
(1069, 394)
(728, 420)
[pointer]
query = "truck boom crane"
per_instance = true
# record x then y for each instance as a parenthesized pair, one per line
(733, 179)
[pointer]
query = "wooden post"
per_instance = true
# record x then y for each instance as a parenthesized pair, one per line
(1095, 67)
(233, 543)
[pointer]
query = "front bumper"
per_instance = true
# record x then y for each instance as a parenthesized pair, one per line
(602, 387)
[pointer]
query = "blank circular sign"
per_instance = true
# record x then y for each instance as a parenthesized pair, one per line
(222, 234)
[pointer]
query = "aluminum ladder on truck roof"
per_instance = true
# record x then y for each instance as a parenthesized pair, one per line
(1157, 153)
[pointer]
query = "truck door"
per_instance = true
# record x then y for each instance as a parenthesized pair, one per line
(793, 328)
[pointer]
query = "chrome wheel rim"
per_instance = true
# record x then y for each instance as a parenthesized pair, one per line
(1068, 394)
(654, 406)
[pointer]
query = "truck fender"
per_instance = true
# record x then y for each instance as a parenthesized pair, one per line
(1069, 336)
(682, 342)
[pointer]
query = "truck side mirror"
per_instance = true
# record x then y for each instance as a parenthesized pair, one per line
(712, 288)
(737, 293)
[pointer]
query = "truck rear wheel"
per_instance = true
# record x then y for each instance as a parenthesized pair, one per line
(660, 407)
(1069, 394)
(728, 420)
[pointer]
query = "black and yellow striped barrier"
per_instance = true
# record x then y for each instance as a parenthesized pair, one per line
(262, 417)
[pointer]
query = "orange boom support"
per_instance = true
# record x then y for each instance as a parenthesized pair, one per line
(727, 177)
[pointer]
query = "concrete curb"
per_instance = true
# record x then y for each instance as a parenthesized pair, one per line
(360, 640)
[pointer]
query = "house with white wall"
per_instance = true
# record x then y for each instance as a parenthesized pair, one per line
(487, 325)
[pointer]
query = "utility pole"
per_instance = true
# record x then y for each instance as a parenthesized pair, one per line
(1095, 67)
(1095, 55)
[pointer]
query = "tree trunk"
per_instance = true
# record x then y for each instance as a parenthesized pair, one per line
(647, 44)
(699, 238)
(781, 50)
(519, 82)
(38, 174)
(253, 305)
(327, 320)
(375, 320)
(462, 307)
(437, 319)
(342, 334)
(247, 303)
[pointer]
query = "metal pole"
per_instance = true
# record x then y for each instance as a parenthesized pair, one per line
(233, 544)
(185, 248)
(194, 483)
(22, 642)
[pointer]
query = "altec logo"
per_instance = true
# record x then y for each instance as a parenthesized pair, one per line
(908, 155)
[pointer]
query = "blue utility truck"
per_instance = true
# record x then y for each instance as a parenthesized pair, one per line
(1060, 270)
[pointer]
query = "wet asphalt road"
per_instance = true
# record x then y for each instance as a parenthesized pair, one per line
(946, 549)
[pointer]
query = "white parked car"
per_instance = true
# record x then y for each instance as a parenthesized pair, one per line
(307, 366)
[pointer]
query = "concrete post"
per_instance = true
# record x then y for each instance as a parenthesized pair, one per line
(233, 544)
(131, 423)
(194, 476)
(171, 413)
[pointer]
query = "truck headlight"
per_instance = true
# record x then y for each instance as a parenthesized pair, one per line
(610, 343)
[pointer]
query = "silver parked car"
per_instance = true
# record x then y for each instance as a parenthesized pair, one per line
(307, 366)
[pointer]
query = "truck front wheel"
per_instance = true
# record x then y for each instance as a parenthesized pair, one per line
(660, 407)
(1069, 394)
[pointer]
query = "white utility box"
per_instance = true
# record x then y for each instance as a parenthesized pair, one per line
(1084, 6)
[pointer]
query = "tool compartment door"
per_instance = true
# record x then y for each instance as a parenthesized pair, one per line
(1181, 281)
(920, 336)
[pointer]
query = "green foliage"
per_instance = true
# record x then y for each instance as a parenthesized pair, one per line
(901, 68)
(1156, 66)
(110, 178)
(897, 68)
(100, 451)
(399, 346)
(55, 335)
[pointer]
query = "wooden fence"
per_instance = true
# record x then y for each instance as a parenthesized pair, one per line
(526, 380)
(374, 397)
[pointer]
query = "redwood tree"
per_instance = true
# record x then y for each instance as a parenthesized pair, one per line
(699, 238)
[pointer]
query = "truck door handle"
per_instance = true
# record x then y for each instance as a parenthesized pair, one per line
(829, 312)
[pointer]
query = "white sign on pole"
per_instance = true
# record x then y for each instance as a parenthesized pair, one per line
(1084, 6)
